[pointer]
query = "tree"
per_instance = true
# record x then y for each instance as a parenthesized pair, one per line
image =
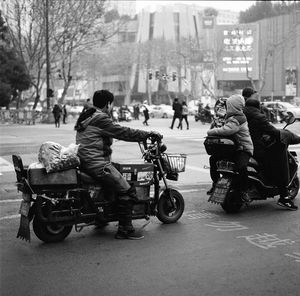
(13, 75)
(74, 26)
(27, 33)
(210, 11)
(265, 9)
(77, 26)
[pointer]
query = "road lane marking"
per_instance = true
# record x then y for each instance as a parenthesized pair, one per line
(198, 169)
(5, 166)
(10, 217)
(10, 200)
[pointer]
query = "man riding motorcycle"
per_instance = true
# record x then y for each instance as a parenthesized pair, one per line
(270, 147)
(95, 133)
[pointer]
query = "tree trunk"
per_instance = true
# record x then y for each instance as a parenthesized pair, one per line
(64, 93)
(36, 100)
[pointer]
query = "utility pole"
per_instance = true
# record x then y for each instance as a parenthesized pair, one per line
(47, 53)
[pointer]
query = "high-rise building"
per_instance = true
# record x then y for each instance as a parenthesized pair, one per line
(127, 7)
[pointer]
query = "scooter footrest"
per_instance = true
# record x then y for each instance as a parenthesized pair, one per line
(220, 191)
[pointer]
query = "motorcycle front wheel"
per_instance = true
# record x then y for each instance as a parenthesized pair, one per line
(232, 203)
(50, 232)
(167, 211)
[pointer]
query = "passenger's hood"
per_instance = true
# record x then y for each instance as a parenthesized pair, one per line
(235, 105)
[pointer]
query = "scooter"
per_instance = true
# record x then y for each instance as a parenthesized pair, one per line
(204, 116)
(58, 201)
(225, 192)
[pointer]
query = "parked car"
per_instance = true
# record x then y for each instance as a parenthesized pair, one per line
(161, 111)
(193, 106)
(76, 109)
(284, 107)
(29, 107)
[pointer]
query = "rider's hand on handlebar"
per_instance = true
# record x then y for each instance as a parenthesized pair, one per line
(155, 136)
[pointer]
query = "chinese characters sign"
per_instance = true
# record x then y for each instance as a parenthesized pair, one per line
(238, 52)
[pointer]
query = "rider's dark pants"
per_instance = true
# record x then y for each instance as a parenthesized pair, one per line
(241, 160)
(111, 178)
(276, 167)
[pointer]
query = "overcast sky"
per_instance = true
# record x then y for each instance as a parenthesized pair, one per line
(227, 5)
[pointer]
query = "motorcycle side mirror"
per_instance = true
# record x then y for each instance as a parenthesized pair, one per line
(290, 119)
(163, 148)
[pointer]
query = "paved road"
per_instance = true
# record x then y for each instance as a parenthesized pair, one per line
(256, 252)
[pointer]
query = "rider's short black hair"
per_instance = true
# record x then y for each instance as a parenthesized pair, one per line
(102, 97)
(248, 92)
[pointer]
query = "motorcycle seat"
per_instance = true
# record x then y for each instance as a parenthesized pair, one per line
(87, 179)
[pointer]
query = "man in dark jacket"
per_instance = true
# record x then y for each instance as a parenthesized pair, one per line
(95, 133)
(269, 150)
(177, 107)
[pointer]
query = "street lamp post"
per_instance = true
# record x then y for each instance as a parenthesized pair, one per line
(47, 53)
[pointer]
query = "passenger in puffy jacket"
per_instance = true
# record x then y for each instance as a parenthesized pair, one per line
(95, 133)
(236, 127)
(270, 149)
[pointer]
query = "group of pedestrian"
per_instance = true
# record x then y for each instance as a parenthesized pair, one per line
(181, 113)
(59, 111)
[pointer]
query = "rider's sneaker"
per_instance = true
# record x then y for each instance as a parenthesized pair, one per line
(287, 203)
(129, 234)
(211, 190)
(245, 196)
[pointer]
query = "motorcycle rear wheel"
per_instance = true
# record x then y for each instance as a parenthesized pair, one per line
(232, 203)
(50, 232)
(165, 212)
(294, 188)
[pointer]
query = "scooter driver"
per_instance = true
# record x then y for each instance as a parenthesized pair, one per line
(95, 133)
(270, 146)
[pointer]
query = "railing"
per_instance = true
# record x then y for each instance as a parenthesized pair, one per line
(30, 117)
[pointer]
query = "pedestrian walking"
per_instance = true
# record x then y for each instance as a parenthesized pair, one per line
(56, 113)
(64, 114)
(184, 115)
(136, 111)
(146, 115)
(177, 107)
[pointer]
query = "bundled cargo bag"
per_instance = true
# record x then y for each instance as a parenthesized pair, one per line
(56, 157)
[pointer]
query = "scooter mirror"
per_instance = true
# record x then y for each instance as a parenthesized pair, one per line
(163, 148)
(290, 119)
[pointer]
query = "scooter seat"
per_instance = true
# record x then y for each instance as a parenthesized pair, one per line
(87, 179)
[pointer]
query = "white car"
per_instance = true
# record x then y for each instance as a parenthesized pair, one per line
(193, 106)
(161, 111)
(284, 106)
(76, 109)
(29, 107)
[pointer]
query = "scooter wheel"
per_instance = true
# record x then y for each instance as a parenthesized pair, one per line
(232, 203)
(166, 212)
(294, 188)
(50, 232)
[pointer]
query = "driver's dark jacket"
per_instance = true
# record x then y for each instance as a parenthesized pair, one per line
(259, 126)
(95, 136)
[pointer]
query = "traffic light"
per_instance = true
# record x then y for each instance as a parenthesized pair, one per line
(174, 76)
(150, 75)
(156, 74)
(50, 93)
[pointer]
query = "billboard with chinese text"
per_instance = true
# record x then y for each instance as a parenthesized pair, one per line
(237, 52)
